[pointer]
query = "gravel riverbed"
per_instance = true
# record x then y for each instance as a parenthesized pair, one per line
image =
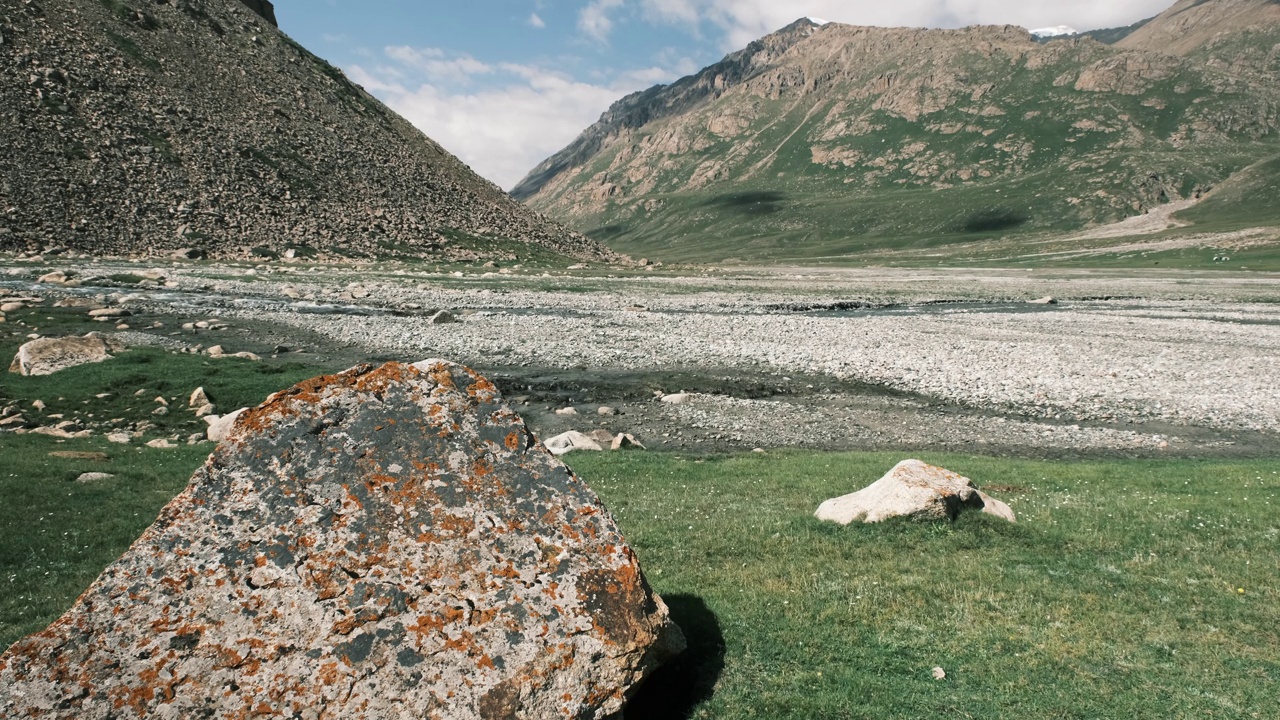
(1120, 361)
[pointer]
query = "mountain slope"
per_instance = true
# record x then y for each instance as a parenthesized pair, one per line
(828, 140)
(135, 127)
(1191, 25)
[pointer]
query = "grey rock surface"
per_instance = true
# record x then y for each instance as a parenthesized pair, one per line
(46, 356)
(385, 542)
(571, 441)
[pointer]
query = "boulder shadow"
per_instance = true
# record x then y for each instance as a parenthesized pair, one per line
(674, 690)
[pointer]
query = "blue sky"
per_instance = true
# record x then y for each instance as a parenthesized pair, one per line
(503, 84)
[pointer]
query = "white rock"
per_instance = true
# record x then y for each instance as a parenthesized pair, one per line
(567, 411)
(109, 313)
(46, 356)
(677, 399)
(120, 438)
(161, 444)
(914, 490)
(220, 426)
(571, 441)
(625, 440)
(1047, 300)
(199, 398)
(94, 477)
(606, 411)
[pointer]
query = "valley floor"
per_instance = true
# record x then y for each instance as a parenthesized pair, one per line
(1124, 362)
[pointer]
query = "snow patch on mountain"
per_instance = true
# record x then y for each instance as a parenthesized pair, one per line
(1059, 31)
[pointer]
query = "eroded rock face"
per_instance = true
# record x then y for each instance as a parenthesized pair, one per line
(49, 355)
(915, 490)
(382, 543)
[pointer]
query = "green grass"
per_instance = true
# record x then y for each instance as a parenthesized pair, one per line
(1116, 596)
(230, 383)
(1051, 160)
(56, 535)
(1251, 198)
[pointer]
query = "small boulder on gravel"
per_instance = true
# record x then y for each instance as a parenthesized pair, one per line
(442, 317)
(625, 440)
(914, 490)
(677, 399)
(567, 412)
(602, 436)
(110, 313)
(46, 356)
(569, 442)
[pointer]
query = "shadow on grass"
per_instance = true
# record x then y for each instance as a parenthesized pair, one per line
(675, 689)
(765, 202)
(994, 220)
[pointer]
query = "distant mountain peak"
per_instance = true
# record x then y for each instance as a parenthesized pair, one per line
(853, 137)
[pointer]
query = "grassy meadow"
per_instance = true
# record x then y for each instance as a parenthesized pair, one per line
(1129, 589)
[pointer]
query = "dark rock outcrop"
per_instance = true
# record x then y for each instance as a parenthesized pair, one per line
(144, 128)
(263, 8)
(388, 542)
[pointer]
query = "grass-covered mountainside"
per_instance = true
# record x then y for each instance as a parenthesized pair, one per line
(135, 127)
(832, 140)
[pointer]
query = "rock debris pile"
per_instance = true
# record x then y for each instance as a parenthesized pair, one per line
(198, 128)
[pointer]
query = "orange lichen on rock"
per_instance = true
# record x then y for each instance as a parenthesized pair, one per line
(368, 543)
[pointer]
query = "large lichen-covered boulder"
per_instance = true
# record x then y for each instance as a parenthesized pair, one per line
(46, 356)
(382, 543)
(914, 490)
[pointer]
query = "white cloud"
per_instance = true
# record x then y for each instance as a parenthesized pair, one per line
(537, 22)
(435, 64)
(672, 11)
(742, 21)
(594, 19)
(523, 115)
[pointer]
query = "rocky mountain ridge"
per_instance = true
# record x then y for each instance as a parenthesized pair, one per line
(141, 128)
(827, 132)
